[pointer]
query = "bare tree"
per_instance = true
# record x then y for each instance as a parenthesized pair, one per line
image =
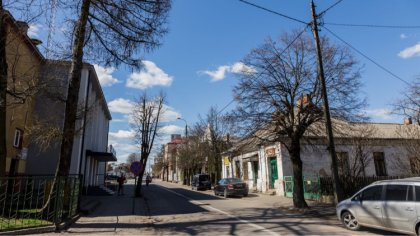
(116, 31)
(359, 137)
(218, 139)
(132, 158)
(3, 86)
(193, 152)
(146, 118)
(279, 94)
(410, 141)
(409, 105)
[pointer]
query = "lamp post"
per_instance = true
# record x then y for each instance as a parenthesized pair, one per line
(186, 126)
(186, 138)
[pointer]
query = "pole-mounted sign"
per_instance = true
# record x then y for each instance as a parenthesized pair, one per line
(136, 167)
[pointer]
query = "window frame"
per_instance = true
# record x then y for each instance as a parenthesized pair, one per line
(379, 162)
(18, 138)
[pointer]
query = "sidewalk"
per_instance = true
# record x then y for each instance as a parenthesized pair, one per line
(113, 214)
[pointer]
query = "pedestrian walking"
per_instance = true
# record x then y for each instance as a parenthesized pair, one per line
(121, 181)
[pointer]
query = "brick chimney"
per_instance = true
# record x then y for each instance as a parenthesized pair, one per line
(304, 100)
(408, 121)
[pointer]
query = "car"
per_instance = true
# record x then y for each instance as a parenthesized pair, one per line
(201, 182)
(392, 205)
(231, 187)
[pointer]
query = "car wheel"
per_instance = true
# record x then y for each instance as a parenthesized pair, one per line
(350, 221)
(225, 193)
(246, 194)
(215, 193)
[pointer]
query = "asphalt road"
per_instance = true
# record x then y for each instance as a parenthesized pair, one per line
(171, 209)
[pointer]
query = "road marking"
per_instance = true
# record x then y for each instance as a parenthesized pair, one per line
(223, 212)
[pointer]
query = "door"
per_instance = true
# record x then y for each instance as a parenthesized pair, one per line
(399, 210)
(255, 172)
(273, 171)
(369, 208)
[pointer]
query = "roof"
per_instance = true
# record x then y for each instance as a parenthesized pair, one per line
(14, 23)
(101, 156)
(94, 80)
(341, 129)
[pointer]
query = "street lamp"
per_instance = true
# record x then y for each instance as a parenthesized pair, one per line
(186, 126)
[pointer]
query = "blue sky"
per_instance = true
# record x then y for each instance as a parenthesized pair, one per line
(197, 63)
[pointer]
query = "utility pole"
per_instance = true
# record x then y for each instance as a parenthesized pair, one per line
(338, 193)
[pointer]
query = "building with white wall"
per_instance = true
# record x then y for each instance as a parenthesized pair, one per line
(90, 147)
(363, 149)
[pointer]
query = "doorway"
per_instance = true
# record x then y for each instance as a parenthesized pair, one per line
(273, 171)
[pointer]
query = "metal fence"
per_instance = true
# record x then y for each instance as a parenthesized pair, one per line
(350, 185)
(33, 201)
(311, 186)
(314, 186)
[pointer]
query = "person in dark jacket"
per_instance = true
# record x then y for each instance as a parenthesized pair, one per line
(121, 181)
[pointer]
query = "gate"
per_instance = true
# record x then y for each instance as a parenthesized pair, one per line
(311, 187)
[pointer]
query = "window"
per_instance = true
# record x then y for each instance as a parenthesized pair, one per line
(372, 194)
(396, 192)
(237, 169)
(417, 193)
(380, 166)
(17, 140)
(343, 163)
(245, 170)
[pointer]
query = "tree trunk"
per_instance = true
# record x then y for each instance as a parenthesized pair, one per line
(73, 91)
(3, 87)
(298, 194)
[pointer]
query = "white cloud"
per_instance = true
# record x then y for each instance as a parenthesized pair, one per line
(122, 134)
(33, 30)
(169, 114)
(403, 36)
(149, 76)
(121, 105)
(221, 71)
(218, 74)
(383, 114)
(171, 129)
(410, 51)
(105, 75)
(241, 68)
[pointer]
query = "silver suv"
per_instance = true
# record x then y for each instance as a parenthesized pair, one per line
(392, 205)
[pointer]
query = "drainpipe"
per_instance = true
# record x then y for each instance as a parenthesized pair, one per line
(82, 152)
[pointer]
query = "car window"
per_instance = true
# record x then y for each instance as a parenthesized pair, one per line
(221, 182)
(204, 177)
(417, 190)
(235, 180)
(410, 194)
(372, 193)
(396, 192)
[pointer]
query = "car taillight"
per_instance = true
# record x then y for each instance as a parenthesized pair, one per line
(230, 186)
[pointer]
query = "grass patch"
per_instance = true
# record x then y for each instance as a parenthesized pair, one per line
(8, 224)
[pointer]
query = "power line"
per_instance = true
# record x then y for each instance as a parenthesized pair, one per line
(375, 26)
(367, 57)
(329, 8)
(274, 12)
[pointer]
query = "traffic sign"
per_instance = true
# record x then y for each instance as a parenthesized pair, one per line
(136, 167)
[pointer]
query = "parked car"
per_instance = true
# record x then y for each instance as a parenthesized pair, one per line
(231, 187)
(392, 205)
(201, 182)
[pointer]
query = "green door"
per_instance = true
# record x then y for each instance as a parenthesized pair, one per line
(273, 171)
